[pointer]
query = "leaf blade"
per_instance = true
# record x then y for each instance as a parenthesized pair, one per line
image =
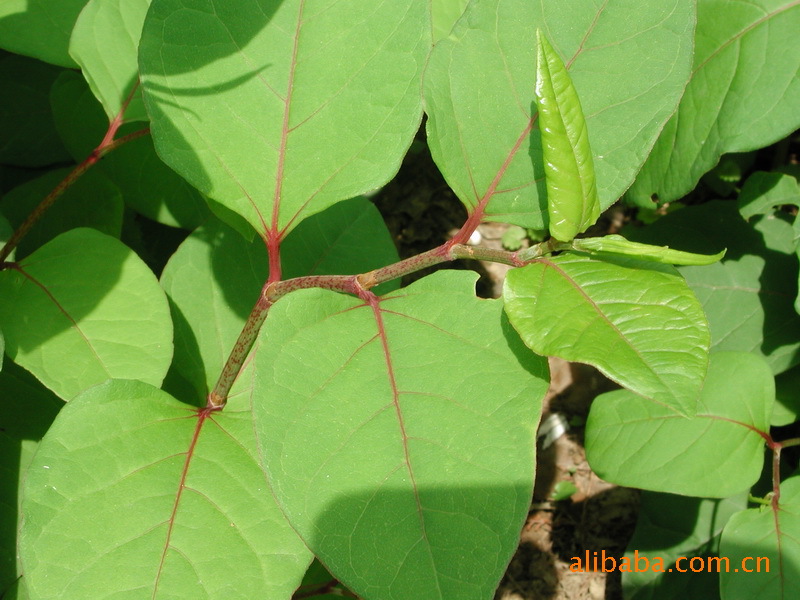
(636, 321)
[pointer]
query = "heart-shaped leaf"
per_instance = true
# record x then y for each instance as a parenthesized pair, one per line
(39, 28)
(239, 110)
(129, 476)
(412, 417)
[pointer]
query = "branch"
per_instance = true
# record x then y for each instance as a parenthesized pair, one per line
(358, 285)
(107, 144)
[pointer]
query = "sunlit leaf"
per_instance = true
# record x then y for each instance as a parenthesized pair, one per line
(129, 476)
(283, 108)
(84, 308)
(636, 321)
(636, 443)
(741, 95)
(412, 420)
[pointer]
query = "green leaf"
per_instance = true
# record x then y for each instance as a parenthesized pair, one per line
(84, 308)
(92, 201)
(757, 534)
(741, 95)
(787, 401)
(278, 110)
(39, 28)
(636, 321)
(763, 191)
(670, 527)
(616, 244)
(415, 418)
(105, 43)
(716, 453)
(572, 203)
(28, 136)
(28, 410)
(749, 297)
(444, 14)
(129, 476)
(479, 95)
(214, 278)
(147, 184)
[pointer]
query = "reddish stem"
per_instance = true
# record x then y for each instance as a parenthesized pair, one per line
(107, 144)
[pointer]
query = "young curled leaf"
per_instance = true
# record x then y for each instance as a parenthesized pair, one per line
(616, 244)
(572, 201)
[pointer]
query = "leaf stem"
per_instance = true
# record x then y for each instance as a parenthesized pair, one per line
(358, 285)
(107, 145)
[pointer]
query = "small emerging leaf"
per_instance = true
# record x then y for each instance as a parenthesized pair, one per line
(616, 244)
(572, 202)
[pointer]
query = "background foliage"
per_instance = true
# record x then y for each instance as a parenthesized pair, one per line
(213, 153)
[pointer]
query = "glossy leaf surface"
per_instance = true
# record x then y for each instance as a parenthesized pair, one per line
(241, 110)
(768, 541)
(84, 308)
(636, 443)
(415, 420)
(740, 96)
(481, 79)
(572, 203)
(105, 43)
(636, 321)
(129, 476)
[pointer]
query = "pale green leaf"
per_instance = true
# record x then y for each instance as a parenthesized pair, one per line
(763, 546)
(279, 109)
(133, 494)
(39, 28)
(412, 419)
(638, 322)
(616, 244)
(716, 453)
(105, 43)
(742, 94)
(84, 308)
(629, 61)
(444, 14)
(749, 297)
(28, 410)
(572, 203)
